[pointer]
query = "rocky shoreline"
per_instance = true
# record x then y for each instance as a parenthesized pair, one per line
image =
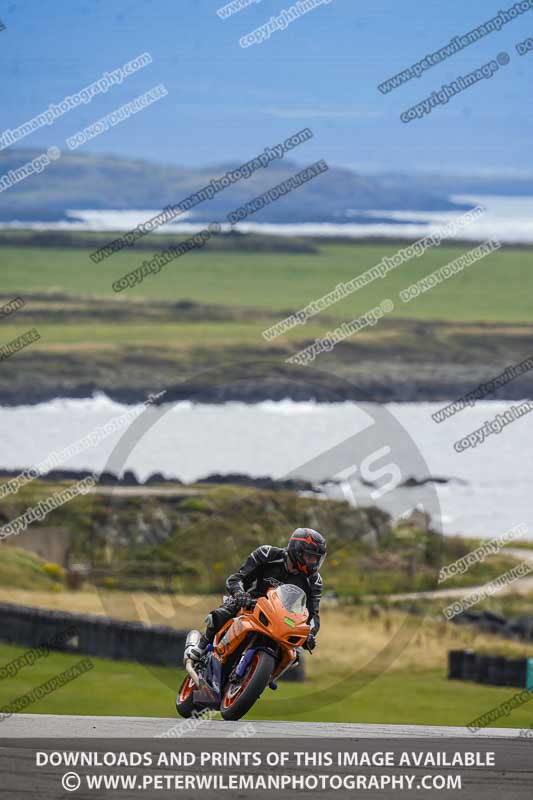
(129, 478)
(442, 386)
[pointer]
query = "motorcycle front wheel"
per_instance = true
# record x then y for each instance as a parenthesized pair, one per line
(240, 696)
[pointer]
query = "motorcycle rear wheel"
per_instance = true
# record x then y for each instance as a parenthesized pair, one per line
(238, 699)
(184, 700)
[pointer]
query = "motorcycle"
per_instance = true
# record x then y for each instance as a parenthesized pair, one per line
(250, 652)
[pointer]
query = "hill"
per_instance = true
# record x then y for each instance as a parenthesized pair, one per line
(77, 181)
(192, 542)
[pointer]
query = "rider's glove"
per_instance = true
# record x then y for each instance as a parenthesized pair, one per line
(244, 600)
(310, 643)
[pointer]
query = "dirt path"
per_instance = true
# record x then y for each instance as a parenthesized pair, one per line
(146, 491)
(522, 585)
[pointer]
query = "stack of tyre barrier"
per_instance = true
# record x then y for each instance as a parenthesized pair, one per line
(98, 636)
(91, 635)
(519, 628)
(466, 665)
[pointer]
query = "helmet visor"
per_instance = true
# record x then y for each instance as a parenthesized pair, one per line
(313, 561)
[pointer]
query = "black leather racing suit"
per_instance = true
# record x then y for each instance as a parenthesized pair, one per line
(266, 566)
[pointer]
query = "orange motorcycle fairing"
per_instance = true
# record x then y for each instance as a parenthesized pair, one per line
(270, 619)
(231, 635)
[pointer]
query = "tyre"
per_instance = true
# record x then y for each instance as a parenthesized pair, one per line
(184, 701)
(239, 698)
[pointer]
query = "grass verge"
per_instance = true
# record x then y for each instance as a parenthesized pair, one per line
(127, 689)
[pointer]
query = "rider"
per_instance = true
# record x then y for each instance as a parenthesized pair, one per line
(298, 564)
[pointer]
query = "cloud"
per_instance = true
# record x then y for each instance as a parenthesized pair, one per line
(319, 113)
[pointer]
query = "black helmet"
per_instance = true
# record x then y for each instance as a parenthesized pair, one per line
(307, 550)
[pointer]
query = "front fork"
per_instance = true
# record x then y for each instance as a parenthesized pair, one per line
(215, 672)
(244, 662)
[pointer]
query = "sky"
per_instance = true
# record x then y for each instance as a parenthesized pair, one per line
(227, 103)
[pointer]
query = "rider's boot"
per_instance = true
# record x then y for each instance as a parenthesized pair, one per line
(198, 650)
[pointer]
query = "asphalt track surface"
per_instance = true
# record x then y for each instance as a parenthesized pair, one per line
(56, 726)
(23, 735)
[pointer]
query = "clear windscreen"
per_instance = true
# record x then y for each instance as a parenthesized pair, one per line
(292, 597)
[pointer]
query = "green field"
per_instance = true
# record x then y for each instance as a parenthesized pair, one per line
(210, 307)
(123, 688)
(485, 291)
